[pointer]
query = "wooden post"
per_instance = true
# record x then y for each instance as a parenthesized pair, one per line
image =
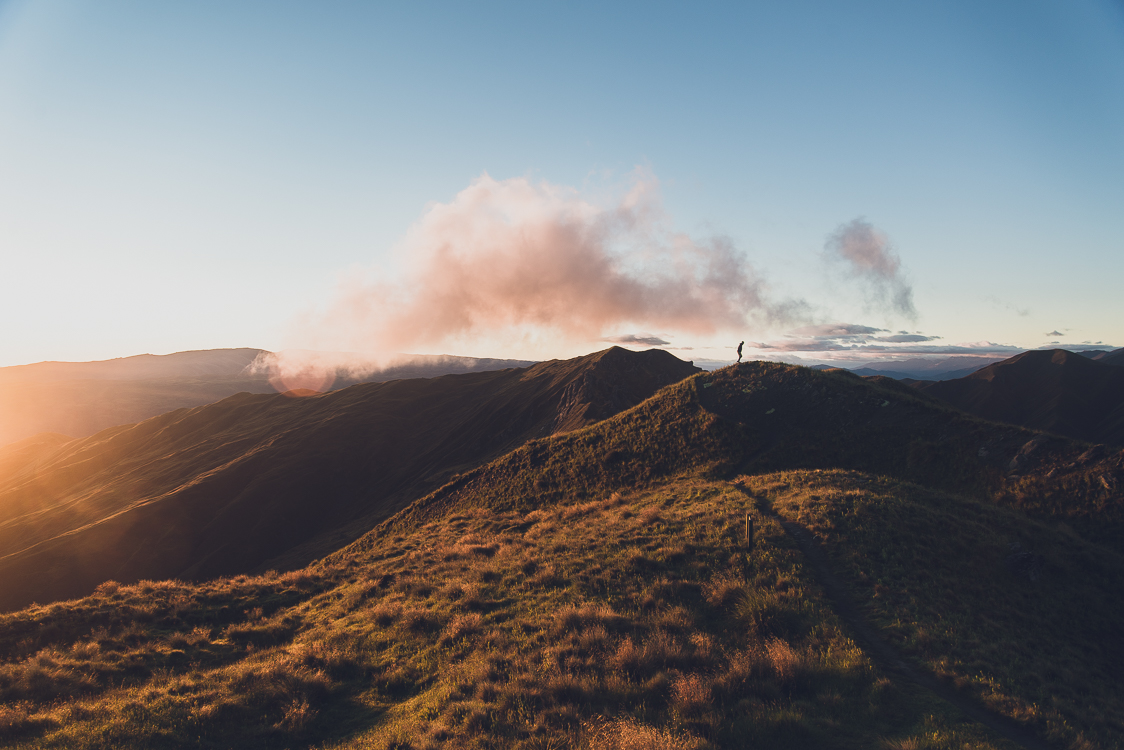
(748, 530)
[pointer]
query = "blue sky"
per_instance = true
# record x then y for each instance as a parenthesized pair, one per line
(197, 175)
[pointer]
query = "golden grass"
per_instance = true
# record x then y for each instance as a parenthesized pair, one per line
(637, 621)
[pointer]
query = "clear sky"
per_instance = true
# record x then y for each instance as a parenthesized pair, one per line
(820, 176)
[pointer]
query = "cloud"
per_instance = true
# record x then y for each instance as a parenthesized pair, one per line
(1000, 304)
(1055, 333)
(509, 256)
(868, 256)
(642, 339)
(836, 330)
(861, 341)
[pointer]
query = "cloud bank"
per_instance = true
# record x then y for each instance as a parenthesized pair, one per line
(507, 256)
(637, 339)
(868, 256)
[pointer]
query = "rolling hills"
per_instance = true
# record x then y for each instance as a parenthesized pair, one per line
(1052, 390)
(916, 578)
(273, 480)
(80, 398)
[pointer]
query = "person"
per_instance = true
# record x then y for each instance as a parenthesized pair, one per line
(740, 352)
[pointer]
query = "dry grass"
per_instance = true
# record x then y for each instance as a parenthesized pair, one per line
(629, 734)
(492, 629)
(935, 572)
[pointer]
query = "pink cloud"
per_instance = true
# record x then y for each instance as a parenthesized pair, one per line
(512, 254)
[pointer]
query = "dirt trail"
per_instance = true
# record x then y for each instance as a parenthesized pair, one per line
(881, 652)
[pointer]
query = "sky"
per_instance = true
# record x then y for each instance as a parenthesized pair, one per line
(825, 181)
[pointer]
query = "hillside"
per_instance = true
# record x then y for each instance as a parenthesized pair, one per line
(762, 417)
(1055, 391)
(80, 398)
(257, 480)
(597, 589)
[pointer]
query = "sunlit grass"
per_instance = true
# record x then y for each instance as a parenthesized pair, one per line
(636, 621)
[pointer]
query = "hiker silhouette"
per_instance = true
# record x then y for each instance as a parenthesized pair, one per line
(740, 352)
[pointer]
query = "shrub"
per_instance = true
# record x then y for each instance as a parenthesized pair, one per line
(461, 627)
(785, 661)
(629, 734)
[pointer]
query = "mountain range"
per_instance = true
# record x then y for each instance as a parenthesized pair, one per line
(606, 552)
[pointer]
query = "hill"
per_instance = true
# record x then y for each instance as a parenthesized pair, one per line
(915, 578)
(1052, 390)
(269, 479)
(81, 398)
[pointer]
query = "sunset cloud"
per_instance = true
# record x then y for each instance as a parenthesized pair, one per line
(512, 255)
(634, 339)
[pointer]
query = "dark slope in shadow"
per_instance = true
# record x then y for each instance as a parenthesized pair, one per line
(1056, 391)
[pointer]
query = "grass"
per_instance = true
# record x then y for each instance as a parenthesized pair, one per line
(763, 417)
(637, 621)
(1026, 615)
(594, 590)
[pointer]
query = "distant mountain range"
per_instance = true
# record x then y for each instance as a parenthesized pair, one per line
(77, 399)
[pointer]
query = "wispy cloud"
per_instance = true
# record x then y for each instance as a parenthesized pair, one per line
(867, 255)
(1055, 333)
(1001, 304)
(641, 339)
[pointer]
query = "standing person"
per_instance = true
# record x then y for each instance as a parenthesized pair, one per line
(740, 352)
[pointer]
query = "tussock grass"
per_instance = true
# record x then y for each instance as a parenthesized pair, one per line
(491, 629)
(937, 573)
(595, 590)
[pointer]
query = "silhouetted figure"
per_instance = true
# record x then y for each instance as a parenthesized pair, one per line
(740, 352)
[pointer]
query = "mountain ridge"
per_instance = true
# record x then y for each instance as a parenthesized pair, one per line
(1053, 390)
(223, 488)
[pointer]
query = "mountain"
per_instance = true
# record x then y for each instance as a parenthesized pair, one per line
(915, 577)
(81, 398)
(1107, 356)
(1113, 358)
(926, 369)
(211, 363)
(1053, 390)
(273, 480)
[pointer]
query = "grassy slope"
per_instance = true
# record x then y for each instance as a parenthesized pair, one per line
(526, 604)
(762, 417)
(258, 480)
(609, 623)
(1023, 614)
